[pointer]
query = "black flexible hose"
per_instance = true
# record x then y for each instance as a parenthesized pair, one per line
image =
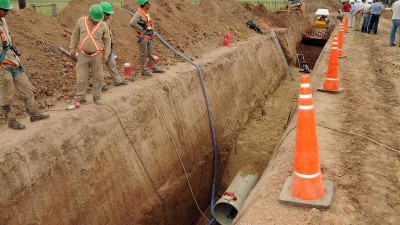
(203, 86)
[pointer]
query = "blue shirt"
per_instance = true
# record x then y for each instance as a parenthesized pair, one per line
(353, 9)
(376, 8)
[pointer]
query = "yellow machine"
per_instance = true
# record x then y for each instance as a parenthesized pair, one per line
(296, 6)
(321, 19)
(321, 31)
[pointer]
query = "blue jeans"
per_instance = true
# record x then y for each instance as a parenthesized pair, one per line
(373, 23)
(395, 26)
(364, 27)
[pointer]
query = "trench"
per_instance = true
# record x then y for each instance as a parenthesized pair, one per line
(118, 164)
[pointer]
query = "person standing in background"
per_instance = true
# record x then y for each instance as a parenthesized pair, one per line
(395, 22)
(359, 13)
(366, 17)
(376, 11)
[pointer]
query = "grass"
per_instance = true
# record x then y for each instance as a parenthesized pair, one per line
(61, 4)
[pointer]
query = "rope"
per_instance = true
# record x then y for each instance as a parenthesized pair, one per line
(180, 159)
(362, 136)
(141, 161)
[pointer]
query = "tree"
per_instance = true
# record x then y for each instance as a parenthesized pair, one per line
(22, 4)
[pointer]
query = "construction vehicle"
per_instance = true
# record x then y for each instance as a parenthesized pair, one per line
(321, 29)
(295, 6)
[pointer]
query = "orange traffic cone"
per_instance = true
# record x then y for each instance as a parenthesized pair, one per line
(306, 187)
(345, 24)
(331, 83)
(335, 42)
(341, 41)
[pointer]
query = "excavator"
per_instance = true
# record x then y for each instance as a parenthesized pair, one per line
(295, 6)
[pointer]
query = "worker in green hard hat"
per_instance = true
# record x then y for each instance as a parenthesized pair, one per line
(143, 26)
(91, 42)
(111, 65)
(12, 75)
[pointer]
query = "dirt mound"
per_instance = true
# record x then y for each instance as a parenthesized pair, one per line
(312, 6)
(193, 29)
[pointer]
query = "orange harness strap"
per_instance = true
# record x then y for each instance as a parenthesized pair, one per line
(149, 22)
(90, 35)
(6, 46)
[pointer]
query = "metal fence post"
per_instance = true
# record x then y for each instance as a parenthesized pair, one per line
(54, 9)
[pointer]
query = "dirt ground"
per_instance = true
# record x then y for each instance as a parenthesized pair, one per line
(365, 175)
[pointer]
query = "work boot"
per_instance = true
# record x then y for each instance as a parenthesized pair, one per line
(14, 124)
(123, 82)
(158, 71)
(38, 116)
(97, 102)
(104, 88)
(146, 73)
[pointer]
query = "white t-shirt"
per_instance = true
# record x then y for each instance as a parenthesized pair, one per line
(396, 10)
(359, 6)
(366, 8)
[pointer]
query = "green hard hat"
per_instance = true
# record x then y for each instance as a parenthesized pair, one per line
(96, 13)
(142, 2)
(5, 4)
(106, 6)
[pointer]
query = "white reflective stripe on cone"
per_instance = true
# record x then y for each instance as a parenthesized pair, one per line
(307, 176)
(306, 107)
(334, 47)
(331, 78)
(305, 85)
(305, 96)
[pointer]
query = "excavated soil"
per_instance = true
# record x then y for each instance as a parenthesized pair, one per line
(366, 175)
(193, 29)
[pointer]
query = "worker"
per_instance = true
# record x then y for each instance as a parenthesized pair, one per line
(359, 13)
(111, 64)
(352, 15)
(395, 22)
(366, 17)
(346, 8)
(143, 25)
(91, 42)
(376, 11)
(13, 74)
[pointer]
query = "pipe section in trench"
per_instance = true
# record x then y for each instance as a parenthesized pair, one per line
(79, 167)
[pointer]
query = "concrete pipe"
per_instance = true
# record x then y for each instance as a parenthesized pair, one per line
(228, 206)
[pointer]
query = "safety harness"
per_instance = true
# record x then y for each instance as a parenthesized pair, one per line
(6, 63)
(148, 34)
(90, 35)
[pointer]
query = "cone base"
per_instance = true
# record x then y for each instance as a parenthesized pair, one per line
(340, 90)
(325, 202)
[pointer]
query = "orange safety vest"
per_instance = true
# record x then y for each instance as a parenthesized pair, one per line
(148, 21)
(90, 35)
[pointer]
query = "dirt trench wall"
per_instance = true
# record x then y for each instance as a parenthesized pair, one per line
(79, 167)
